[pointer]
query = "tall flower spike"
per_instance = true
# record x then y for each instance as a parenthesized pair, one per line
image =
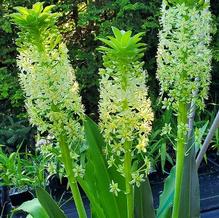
(47, 78)
(183, 57)
(52, 96)
(125, 110)
(184, 64)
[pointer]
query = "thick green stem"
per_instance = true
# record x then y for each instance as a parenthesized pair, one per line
(72, 181)
(180, 154)
(128, 178)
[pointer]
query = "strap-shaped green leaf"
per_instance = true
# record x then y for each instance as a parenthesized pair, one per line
(33, 208)
(96, 182)
(144, 201)
(166, 198)
(49, 204)
(190, 196)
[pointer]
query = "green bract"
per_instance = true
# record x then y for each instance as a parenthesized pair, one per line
(35, 23)
(123, 46)
(190, 3)
(183, 58)
(47, 78)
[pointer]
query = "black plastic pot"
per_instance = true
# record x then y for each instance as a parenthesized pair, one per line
(209, 191)
(5, 204)
(209, 186)
(19, 197)
(70, 209)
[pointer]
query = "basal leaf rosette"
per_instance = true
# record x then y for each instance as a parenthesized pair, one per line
(184, 57)
(125, 109)
(47, 78)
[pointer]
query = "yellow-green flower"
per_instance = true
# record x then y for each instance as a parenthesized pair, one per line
(137, 178)
(114, 188)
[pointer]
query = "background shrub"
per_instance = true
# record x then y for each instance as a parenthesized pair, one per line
(81, 23)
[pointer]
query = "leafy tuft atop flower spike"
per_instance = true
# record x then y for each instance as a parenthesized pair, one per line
(123, 46)
(37, 18)
(190, 3)
(34, 22)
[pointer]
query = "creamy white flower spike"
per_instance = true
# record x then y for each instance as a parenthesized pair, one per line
(184, 64)
(183, 57)
(47, 78)
(125, 109)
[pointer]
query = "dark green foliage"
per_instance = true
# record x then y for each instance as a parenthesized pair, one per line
(161, 149)
(11, 96)
(14, 133)
(82, 23)
(19, 169)
(10, 92)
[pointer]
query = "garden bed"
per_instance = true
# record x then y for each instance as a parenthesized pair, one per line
(209, 187)
(209, 191)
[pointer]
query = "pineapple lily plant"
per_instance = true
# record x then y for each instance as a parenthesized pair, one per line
(125, 111)
(110, 161)
(184, 64)
(52, 99)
